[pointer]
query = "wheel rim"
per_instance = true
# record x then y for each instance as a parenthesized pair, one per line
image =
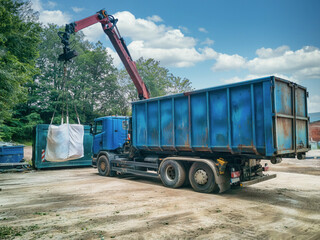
(103, 166)
(171, 173)
(201, 177)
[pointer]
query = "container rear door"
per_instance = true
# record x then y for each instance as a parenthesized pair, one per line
(302, 121)
(290, 117)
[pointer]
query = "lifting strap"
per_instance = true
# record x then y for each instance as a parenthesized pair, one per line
(64, 96)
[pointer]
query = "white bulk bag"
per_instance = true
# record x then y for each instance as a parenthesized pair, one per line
(64, 142)
(76, 133)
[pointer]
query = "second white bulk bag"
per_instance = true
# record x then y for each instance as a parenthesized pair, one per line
(76, 134)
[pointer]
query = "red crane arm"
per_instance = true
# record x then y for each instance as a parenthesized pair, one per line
(108, 23)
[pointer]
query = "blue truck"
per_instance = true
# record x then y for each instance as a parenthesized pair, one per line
(212, 138)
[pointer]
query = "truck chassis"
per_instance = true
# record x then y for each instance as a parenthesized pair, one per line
(204, 175)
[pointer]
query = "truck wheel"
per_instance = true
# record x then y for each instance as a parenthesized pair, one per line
(104, 168)
(201, 178)
(172, 174)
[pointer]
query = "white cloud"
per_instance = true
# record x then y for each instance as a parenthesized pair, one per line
(140, 29)
(300, 64)
(93, 33)
(208, 42)
(286, 61)
(308, 72)
(161, 42)
(228, 62)
(56, 17)
(314, 103)
(115, 56)
(155, 18)
(36, 5)
(172, 38)
(269, 52)
(45, 16)
(178, 57)
(77, 9)
(201, 29)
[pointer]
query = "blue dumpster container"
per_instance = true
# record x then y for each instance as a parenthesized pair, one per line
(265, 117)
(11, 154)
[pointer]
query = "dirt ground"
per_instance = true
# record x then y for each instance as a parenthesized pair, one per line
(80, 204)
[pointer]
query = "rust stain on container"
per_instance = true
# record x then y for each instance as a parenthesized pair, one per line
(230, 149)
(186, 143)
(300, 102)
(286, 125)
(187, 93)
(246, 148)
(285, 98)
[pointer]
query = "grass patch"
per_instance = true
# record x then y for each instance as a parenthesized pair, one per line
(40, 213)
(26, 143)
(8, 232)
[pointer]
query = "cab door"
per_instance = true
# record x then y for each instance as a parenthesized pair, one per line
(97, 136)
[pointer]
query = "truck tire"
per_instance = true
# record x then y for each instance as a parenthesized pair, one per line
(202, 179)
(172, 174)
(104, 167)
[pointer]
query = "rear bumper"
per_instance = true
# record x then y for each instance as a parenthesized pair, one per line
(257, 180)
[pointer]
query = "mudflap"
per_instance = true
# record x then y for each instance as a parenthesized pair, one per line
(223, 181)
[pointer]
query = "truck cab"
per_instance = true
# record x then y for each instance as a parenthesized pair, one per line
(109, 134)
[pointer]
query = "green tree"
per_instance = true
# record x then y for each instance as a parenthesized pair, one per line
(94, 83)
(19, 38)
(178, 85)
(154, 76)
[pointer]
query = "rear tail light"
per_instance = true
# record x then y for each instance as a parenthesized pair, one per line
(235, 174)
(266, 167)
(129, 136)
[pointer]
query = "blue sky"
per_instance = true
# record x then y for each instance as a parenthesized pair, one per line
(211, 42)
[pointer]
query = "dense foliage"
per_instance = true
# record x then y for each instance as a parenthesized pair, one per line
(33, 84)
(19, 37)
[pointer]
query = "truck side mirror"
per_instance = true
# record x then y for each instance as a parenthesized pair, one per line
(91, 129)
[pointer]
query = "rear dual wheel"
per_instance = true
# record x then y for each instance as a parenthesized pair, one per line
(202, 178)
